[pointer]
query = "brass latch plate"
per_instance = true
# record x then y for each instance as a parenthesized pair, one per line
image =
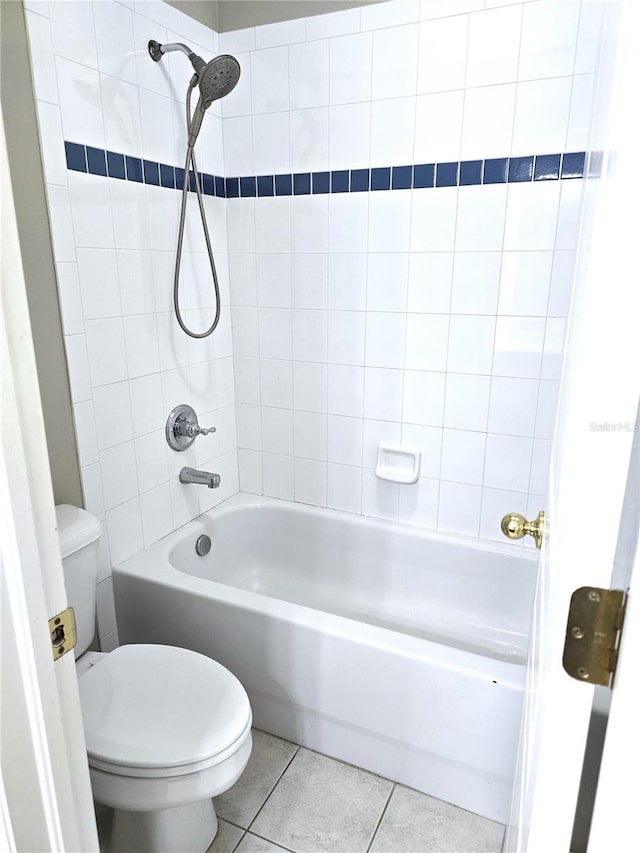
(593, 634)
(62, 629)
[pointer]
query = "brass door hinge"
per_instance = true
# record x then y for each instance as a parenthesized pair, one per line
(593, 634)
(62, 629)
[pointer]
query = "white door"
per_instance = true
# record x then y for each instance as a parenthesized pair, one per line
(590, 458)
(45, 793)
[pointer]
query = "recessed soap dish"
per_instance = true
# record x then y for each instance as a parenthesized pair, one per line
(398, 464)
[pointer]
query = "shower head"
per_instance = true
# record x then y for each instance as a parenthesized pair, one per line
(215, 79)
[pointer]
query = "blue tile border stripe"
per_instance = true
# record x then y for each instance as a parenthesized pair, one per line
(496, 170)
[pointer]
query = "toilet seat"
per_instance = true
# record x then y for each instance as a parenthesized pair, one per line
(157, 711)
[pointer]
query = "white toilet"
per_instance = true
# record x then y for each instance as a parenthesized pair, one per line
(166, 728)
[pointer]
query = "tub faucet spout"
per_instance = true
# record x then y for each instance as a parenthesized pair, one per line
(201, 478)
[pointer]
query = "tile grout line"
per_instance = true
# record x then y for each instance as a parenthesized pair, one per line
(255, 817)
(384, 811)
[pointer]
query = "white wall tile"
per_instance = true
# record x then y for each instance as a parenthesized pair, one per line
(377, 432)
(532, 216)
(250, 468)
(345, 390)
(43, 66)
(508, 462)
(443, 54)
(344, 488)
(151, 460)
(310, 386)
(427, 338)
(80, 102)
(273, 225)
(463, 456)
(350, 62)
(238, 101)
(277, 431)
(392, 131)
(391, 14)
(94, 503)
(270, 80)
(238, 40)
(70, 300)
(481, 218)
(385, 340)
(333, 24)
(459, 508)
(91, 211)
(124, 526)
(387, 281)
(78, 367)
(99, 287)
(310, 335)
(86, 439)
(51, 143)
(112, 408)
(494, 40)
(430, 275)
(114, 40)
(423, 398)
(348, 222)
(471, 341)
(467, 402)
(156, 515)
(274, 280)
(419, 503)
(310, 225)
(433, 220)
(309, 75)
(238, 149)
(310, 435)
(277, 476)
(276, 383)
(548, 51)
(383, 391)
(282, 32)
(106, 350)
(487, 126)
(270, 144)
(349, 136)
(518, 347)
(524, 283)
(395, 62)
(512, 408)
(438, 127)
(73, 32)
(275, 332)
(62, 236)
(440, 8)
(347, 287)
(344, 440)
(310, 482)
(541, 116)
(476, 282)
(389, 222)
(309, 146)
(380, 499)
(346, 337)
(428, 440)
(119, 476)
(309, 281)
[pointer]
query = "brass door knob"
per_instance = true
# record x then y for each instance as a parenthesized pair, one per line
(516, 526)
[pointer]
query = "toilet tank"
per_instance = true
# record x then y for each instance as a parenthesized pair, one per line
(78, 534)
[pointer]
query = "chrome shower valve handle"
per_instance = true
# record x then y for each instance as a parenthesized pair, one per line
(182, 428)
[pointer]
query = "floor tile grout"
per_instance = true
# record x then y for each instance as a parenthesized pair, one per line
(382, 814)
(255, 817)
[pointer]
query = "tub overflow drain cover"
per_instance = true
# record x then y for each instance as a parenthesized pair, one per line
(203, 545)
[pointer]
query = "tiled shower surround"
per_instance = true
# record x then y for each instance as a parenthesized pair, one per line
(431, 316)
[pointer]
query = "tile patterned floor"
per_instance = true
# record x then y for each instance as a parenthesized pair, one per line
(292, 799)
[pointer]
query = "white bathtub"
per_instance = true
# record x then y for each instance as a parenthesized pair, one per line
(397, 650)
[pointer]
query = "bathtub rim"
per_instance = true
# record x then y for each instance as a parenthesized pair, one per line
(153, 565)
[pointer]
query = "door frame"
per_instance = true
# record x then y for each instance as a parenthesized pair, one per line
(43, 745)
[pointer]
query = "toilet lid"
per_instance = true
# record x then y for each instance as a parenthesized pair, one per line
(152, 706)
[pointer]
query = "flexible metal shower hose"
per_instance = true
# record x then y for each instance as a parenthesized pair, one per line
(190, 161)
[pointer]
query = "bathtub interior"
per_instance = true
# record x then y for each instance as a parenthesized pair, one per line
(445, 589)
